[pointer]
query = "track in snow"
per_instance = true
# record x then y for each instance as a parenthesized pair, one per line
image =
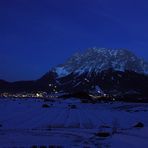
(26, 121)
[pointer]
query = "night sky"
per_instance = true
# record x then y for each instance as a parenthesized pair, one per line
(36, 35)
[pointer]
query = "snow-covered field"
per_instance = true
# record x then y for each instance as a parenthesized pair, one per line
(25, 123)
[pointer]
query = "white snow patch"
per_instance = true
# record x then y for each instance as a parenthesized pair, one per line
(61, 71)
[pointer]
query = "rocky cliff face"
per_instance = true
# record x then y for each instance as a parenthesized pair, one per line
(100, 59)
(113, 71)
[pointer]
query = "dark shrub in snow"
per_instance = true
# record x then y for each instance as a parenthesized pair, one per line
(43, 146)
(49, 128)
(139, 125)
(34, 146)
(0, 125)
(53, 146)
(45, 106)
(103, 134)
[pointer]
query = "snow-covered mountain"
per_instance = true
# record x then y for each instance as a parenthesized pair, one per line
(113, 71)
(100, 59)
(97, 70)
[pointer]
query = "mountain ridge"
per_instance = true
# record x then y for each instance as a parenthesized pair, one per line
(113, 71)
(99, 59)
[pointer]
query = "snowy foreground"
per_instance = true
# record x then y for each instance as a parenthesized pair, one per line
(25, 123)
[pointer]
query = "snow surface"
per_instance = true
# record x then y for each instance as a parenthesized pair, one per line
(61, 71)
(24, 123)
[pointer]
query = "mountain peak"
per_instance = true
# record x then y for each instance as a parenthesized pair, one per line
(110, 51)
(100, 59)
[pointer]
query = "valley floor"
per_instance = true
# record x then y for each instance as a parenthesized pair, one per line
(69, 123)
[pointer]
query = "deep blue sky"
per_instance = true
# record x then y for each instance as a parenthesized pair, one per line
(36, 35)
